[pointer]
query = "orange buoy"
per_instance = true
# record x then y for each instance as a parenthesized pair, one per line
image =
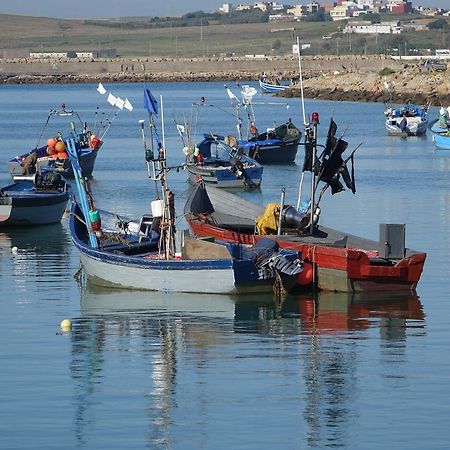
(95, 142)
(51, 151)
(62, 155)
(60, 146)
(51, 142)
(305, 277)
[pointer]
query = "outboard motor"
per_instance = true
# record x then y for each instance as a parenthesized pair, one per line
(293, 218)
(296, 219)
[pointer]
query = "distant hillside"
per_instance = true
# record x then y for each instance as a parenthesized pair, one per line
(148, 37)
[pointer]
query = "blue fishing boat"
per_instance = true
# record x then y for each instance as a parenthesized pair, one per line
(88, 141)
(39, 200)
(441, 129)
(218, 160)
(53, 154)
(159, 258)
(275, 145)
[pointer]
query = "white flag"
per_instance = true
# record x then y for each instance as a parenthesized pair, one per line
(112, 100)
(120, 103)
(101, 89)
(181, 129)
(128, 105)
(231, 95)
(248, 92)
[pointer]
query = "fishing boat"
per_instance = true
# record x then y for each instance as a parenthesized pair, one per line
(270, 88)
(408, 120)
(36, 200)
(333, 260)
(277, 144)
(440, 129)
(217, 160)
(159, 258)
(53, 153)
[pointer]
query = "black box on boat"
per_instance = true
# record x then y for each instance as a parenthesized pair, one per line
(392, 240)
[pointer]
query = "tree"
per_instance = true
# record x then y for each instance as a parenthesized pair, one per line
(71, 54)
(372, 17)
(439, 24)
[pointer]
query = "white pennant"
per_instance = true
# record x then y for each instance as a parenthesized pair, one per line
(112, 100)
(128, 105)
(120, 103)
(101, 89)
(231, 95)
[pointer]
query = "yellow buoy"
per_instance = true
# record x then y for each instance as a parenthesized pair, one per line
(66, 325)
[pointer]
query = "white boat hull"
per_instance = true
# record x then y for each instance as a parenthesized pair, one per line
(174, 279)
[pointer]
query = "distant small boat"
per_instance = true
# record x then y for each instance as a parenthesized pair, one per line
(269, 88)
(408, 120)
(217, 162)
(34, 202)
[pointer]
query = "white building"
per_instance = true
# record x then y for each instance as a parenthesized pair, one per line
(242, 7)
(263, 6)
(339, 13)
(365, 27)
(226, 8)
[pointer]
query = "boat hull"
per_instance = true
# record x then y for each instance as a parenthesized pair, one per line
(87, 161)
(143, 270)
(224, 178)
(266, 153)
(441, 141)
(272, 88)
(28, 207)
(412, 129)
(341, 262)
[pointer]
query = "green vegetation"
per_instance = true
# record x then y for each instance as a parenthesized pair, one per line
(211, 35)
(385, 72)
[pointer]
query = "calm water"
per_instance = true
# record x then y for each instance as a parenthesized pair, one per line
(149, 370)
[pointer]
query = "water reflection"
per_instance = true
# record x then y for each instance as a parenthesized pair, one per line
(168, 336)
(31, 255)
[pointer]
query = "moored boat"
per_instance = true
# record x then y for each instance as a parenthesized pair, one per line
(37, 200)
(440, 129)
(408, 120)
(217, 162)
(273, 88)
(278, 144)
(339, 261)
(53, 154)
(159, 258)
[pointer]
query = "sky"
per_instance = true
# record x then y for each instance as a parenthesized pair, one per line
(65, 9)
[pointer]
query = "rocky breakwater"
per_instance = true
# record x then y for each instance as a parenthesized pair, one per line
(408, 85)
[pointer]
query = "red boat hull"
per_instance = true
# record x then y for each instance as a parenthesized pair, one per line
(336, 269)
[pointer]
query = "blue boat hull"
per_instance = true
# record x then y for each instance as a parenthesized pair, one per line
(21, 204)
(441, 141)
(271, 151)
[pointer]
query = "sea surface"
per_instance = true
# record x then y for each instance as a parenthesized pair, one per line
(172, 371)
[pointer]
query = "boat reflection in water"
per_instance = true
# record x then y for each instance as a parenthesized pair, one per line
(178, 350)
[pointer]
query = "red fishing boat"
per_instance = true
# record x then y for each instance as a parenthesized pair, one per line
(333, 260)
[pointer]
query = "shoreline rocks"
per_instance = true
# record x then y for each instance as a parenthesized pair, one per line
(326, 79)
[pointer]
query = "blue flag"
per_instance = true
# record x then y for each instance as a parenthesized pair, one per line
(150, 103)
